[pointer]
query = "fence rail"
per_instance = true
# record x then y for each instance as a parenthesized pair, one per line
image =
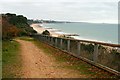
(102, 55)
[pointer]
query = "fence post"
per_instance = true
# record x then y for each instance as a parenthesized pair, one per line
(56, 42)
(49, 39)
(78, 48)
(68, 45)
(95, 54)
(43, 38)
(61, 42)
(46, 38)
(39, 38)
(52, 42)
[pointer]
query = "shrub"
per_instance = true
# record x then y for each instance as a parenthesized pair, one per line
(88, 47)
(13, 26)
(46, 32)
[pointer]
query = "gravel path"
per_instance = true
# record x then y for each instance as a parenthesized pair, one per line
(37, 64)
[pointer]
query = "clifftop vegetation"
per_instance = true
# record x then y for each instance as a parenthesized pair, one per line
(15, 25)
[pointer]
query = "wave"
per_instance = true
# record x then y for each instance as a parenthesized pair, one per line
(82, 38)
(88, 39)
(58, 31)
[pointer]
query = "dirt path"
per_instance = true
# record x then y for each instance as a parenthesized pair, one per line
(37, 64)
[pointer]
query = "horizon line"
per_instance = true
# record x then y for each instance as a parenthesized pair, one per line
(96, 22)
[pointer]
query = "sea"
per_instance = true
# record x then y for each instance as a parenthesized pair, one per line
(100, 32)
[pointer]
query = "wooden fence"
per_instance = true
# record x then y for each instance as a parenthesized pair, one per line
(102, 55)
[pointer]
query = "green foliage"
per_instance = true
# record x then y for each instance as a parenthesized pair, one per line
(9, 50)
(46, 32)
(113, 51)
(25, 29)
(11, 62)
(101, 47)
(9, 14)
(30, 21)
(26, 38)
(8, 31)
(15, 25)
(13, 19)
(88, 47)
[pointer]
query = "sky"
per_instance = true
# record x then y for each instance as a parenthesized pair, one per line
(95, 11)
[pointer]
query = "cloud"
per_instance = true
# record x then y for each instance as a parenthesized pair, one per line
(73, 10)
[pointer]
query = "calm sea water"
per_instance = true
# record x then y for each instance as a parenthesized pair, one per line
(89, 31)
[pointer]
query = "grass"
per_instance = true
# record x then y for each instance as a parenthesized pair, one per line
(0, 59)
(26, 38)
(11, 61)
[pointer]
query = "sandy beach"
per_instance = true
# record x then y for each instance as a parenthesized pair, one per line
(40, 29)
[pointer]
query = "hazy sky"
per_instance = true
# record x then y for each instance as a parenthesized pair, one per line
(103, 11)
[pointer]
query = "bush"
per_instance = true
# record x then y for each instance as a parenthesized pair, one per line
(88, 47)
(15, 25)
(8, 30)
(46, 32)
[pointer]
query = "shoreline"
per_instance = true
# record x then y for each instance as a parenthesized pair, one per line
(40, 29)
(53, 32)
(58, 33)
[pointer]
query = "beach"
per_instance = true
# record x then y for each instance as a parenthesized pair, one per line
(53, 32)
(107, 33)
(39, 28)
